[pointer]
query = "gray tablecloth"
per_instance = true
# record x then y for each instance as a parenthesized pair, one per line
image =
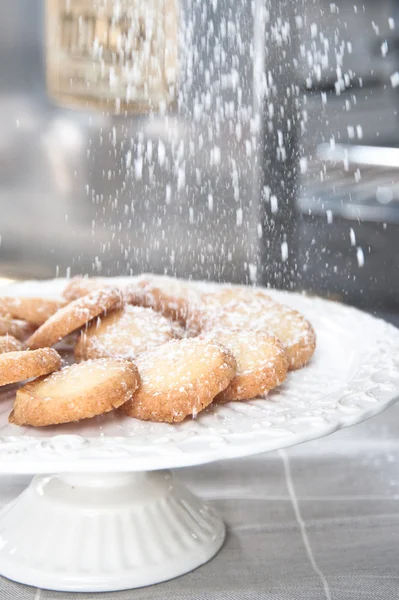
(318, 521)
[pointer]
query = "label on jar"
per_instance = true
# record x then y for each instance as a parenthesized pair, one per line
(112, 53)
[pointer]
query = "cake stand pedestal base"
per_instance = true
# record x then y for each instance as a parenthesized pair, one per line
(105, 532)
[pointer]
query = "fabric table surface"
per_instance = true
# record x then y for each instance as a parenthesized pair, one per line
(313, 522)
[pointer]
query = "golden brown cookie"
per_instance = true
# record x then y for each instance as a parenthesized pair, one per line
(165, 295)
(81, 286)
(8, 343)
(180, 378)
(124, 333)
(76, 392)
(32, 310)
(74, 315)
(227, 294)
(170, 297)
(262, 362)
(18, 329)
(259, 313)
(205, 305)
(17, 366)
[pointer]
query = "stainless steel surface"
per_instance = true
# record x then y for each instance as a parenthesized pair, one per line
(348, 216)
(357, 183)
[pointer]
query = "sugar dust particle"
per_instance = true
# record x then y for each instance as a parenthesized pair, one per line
(239, 217)
(273, 204)
(395, 79)
(303, 163)
(313, 30)
(284, 251)
(252, 272)
(360, 256)
(391, 23)
(210, 202)
(215, 156)
(384, 48)
(375, 27)
(168, 194)
(181, 177)
(138, 168)
(329, 217)
(351, 132)
(161, 153)
(352, 237)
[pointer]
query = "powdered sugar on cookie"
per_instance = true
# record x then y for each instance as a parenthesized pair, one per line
(180, 378)
(74, 315)
(124, 333)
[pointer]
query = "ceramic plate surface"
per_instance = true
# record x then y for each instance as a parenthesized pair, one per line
(353, 375)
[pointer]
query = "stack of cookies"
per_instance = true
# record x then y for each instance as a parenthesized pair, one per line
(158, 349)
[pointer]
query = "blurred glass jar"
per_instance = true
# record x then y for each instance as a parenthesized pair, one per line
(116, 55)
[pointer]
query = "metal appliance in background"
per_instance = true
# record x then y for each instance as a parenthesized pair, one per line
(349, 225)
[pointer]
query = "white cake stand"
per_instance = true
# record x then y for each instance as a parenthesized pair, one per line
(104, 514)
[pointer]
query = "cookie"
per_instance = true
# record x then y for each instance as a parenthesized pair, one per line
(130, 293)
(8, 343)
(17, 366)
(262, 362)
(81, 286)
(260, 313)
(170, 297)
(33, 310)
(227, 294)
(74, 315)
(79, 391)
(18, 329)
(165, 295)
(180, 378)
(124, 333)
(205, 306)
